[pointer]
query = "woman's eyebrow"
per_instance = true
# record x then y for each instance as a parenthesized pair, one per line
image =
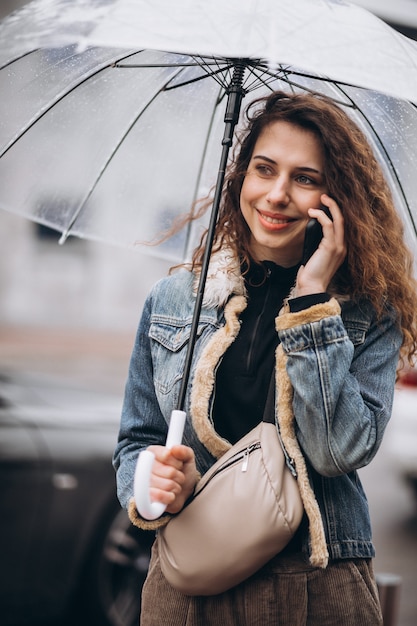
(264, 158)
(305, 168)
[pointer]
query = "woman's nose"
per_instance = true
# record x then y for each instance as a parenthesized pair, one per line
(278, 191)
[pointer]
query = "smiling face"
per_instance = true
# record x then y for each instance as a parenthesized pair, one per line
(284, 179)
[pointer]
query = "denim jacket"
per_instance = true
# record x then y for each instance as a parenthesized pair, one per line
(341, 362)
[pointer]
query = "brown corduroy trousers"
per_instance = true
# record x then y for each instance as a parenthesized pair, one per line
(285, 592)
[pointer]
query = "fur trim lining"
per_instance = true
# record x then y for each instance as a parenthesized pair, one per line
(315, 313)
(319, 554)
(145, 524)
(204, 377)
(224, 278)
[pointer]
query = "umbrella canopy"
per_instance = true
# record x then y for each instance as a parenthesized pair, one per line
(332, 37)
(106, 135)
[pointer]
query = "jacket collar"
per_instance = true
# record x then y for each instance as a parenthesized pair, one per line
(224, 279)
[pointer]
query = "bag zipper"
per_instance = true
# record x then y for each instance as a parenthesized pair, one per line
(239, 456)
(249, 449)
(242, 455)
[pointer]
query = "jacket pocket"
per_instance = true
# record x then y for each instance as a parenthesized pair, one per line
(357, 321)
(356, 331)
(169, 341)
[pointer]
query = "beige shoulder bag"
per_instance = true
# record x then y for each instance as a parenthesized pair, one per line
(244, 511)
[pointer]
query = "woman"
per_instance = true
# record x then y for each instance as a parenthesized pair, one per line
(345, 318)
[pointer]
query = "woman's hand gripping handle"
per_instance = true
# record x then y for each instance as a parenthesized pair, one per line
(148, 509)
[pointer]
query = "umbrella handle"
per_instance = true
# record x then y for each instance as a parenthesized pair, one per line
(147, 509)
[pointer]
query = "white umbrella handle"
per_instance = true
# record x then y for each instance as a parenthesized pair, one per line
(147, 509)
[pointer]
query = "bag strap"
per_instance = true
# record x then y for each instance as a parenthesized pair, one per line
(269, 418)
(269, 410)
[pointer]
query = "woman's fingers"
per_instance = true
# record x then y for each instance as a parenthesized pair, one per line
(318, 272)
(334, 228)
(173, 476)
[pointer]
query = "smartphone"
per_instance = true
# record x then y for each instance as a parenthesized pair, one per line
(313, 235)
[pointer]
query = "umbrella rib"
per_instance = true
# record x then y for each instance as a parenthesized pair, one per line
(110, 157)
(214, 75)
(387, 156)
(323, 79)
(200, 171)
(202, 62)
(158, 65)
(258, 78)
(223, 66)
(18, 58)
(286, 72)
(208, 74)
(283, 73)
(57, 100)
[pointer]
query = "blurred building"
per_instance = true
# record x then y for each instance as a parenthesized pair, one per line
(81, 283)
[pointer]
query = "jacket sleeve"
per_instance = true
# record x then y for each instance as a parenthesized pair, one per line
(142, 423)
(342, 393)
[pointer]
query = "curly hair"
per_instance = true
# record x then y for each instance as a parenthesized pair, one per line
(377, 266)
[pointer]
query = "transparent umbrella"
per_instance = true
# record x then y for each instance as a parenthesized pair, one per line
(106, 135)
(115, 114)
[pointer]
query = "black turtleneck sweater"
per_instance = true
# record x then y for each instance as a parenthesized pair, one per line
(244, 373)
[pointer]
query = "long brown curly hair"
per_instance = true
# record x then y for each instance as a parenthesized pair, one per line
(378, 265)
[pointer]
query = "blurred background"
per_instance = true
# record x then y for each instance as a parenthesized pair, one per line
(68, 316)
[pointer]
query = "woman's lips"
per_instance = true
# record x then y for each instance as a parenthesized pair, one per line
(274, 221)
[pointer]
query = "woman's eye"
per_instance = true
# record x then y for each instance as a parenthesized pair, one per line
(263, 170)
(305, 180)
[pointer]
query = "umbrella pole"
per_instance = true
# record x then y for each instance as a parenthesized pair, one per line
(235, 94)
(148, 509)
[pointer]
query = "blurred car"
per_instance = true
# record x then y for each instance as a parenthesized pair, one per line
(402, 440)
(66, 546)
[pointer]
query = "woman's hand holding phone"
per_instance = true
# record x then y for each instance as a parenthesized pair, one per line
(324, 248)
